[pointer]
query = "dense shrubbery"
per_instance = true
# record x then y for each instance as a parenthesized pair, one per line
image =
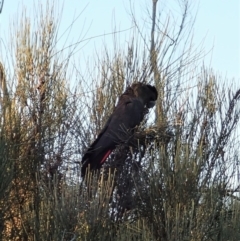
(176, 181)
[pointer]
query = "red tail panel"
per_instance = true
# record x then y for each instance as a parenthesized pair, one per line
(105, 156)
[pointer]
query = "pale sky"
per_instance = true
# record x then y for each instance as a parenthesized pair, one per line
(218, 23)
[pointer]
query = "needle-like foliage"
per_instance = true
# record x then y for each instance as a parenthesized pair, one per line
(177, 178)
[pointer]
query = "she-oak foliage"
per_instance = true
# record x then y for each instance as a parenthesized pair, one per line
(175, 180)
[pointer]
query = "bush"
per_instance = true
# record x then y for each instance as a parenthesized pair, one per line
(176, 179)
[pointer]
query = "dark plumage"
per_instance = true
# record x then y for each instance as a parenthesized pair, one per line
(128, 113)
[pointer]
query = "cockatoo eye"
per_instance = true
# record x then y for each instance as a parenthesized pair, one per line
(151, 104)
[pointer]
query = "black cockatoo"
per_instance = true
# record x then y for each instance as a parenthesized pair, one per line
(128, 113)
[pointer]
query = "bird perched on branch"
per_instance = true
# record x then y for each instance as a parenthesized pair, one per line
(128, 113)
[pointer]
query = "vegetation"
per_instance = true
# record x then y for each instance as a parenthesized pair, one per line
(177, 179)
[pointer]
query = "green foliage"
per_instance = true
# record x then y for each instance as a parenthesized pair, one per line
(174, 180)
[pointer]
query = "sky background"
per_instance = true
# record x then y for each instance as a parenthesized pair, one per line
(217, 22)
